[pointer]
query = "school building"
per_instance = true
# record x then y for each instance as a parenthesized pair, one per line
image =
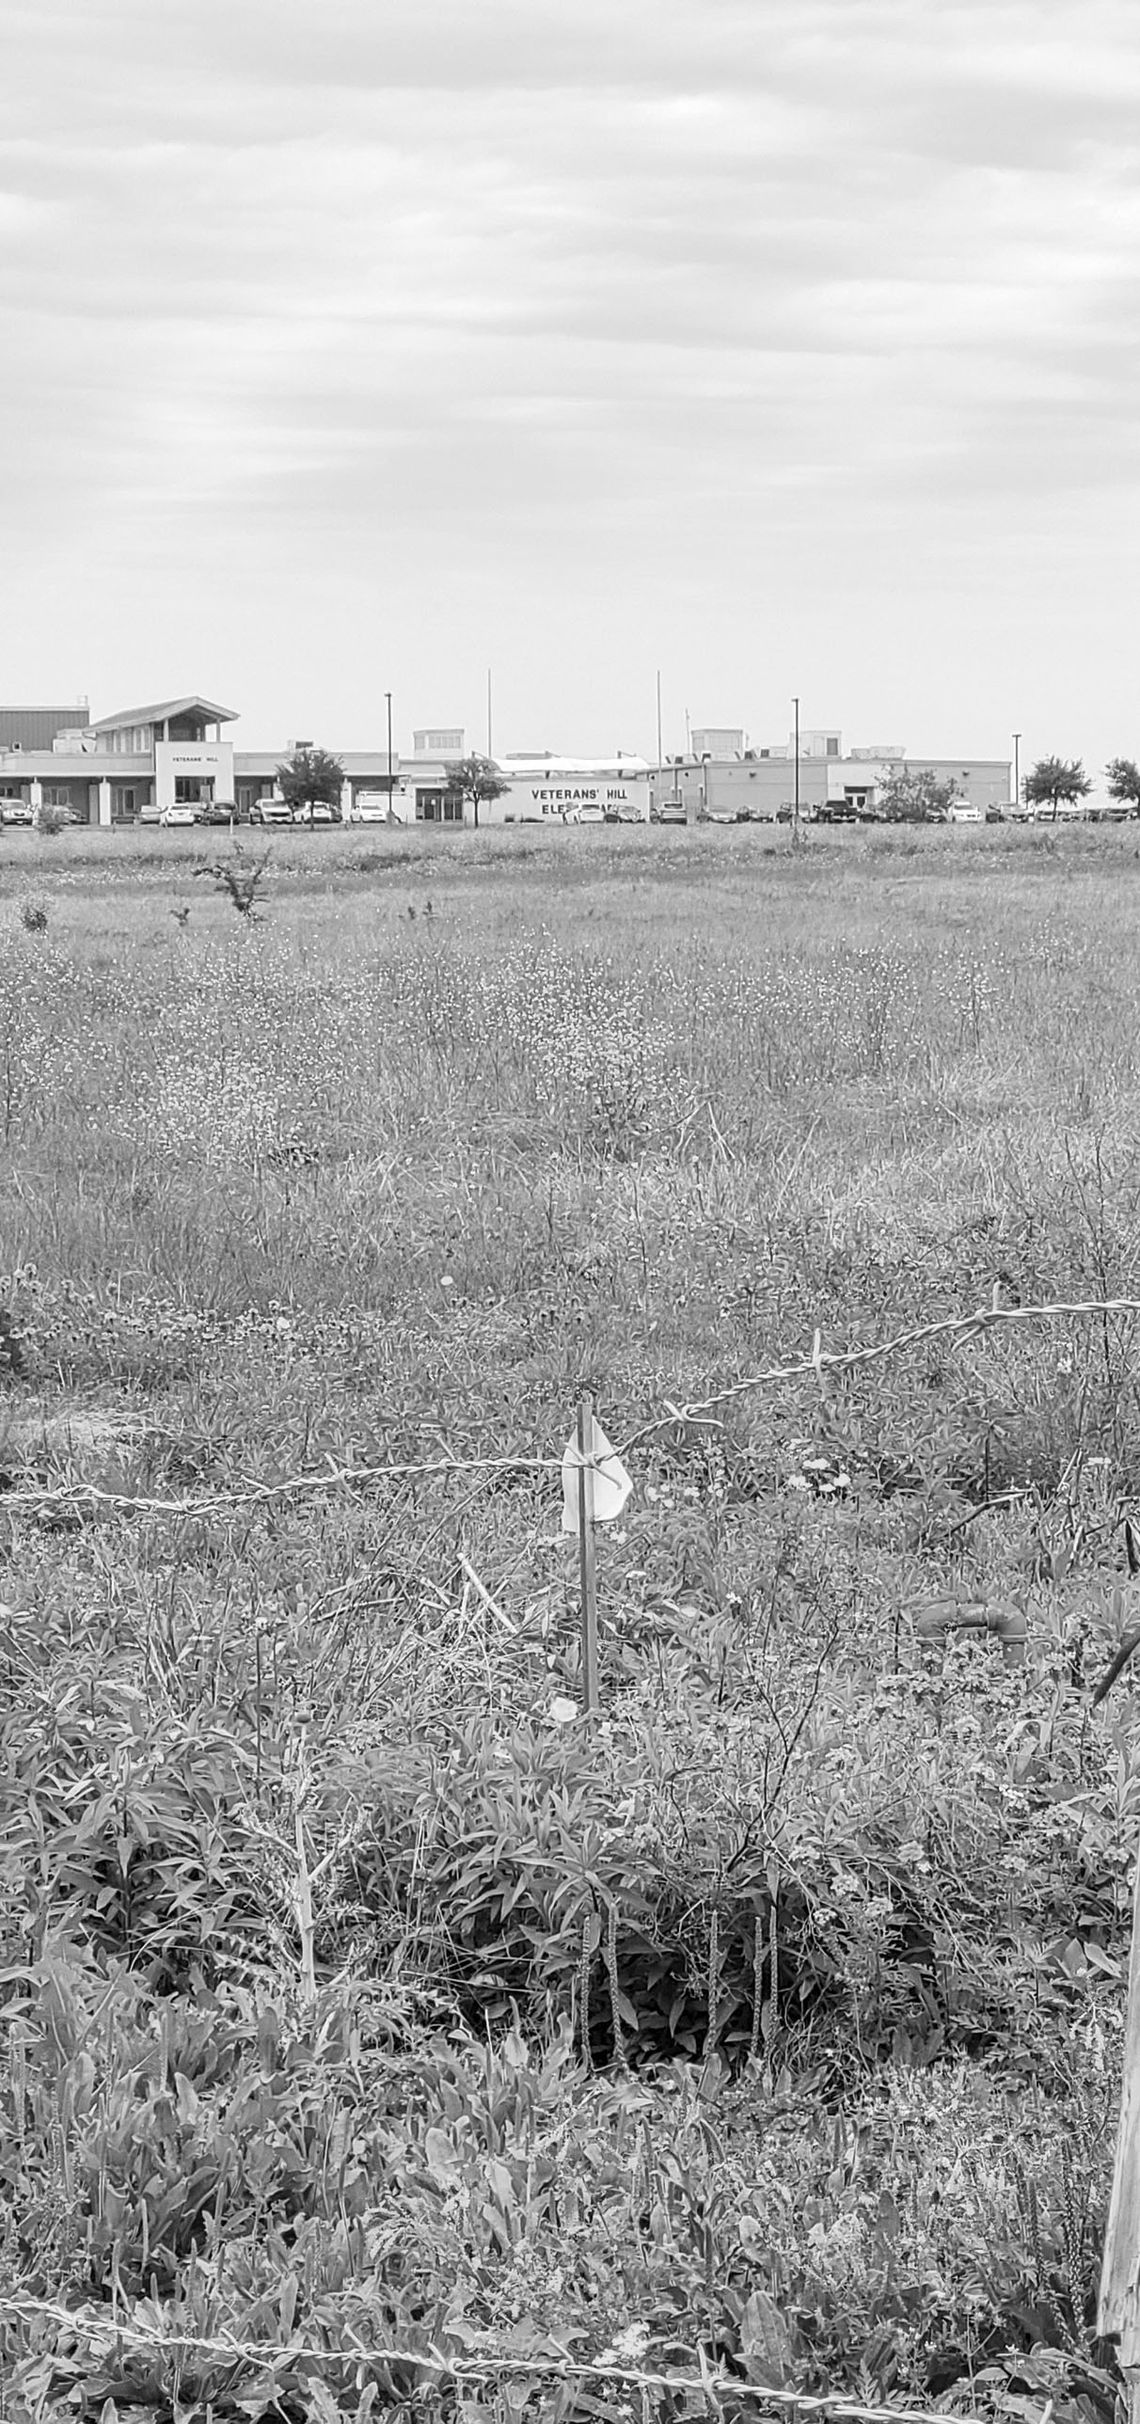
(125, 768)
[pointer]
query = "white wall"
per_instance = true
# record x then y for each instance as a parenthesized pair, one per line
(201, 761)
(548, 797)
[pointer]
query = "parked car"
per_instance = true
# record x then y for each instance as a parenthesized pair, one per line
(180, 814)
(590, 813)
(962, 812)
(224, 812)
(271, 812)
(669, 812)
(315, 812)
(372, 807)
(16, 812)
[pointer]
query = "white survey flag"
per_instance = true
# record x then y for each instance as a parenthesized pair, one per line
(612, 1484)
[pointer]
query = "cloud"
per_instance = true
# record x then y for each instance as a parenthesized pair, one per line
(533, 281)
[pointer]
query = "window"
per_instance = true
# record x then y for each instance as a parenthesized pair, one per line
(57, 795)
(191, 789)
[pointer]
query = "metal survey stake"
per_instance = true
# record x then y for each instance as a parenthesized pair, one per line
(586, 1553)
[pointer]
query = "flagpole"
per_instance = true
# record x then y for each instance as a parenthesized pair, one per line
(590, 1697)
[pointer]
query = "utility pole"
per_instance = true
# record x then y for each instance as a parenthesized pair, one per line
(796, 795)
(388, 702)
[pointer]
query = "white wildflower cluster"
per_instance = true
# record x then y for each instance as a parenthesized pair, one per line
(213, 1113)
(616, 1073)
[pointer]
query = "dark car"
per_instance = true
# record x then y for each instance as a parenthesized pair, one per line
(223, 812)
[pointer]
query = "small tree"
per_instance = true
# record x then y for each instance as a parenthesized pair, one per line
(1055, 779)
(237, 883)
(1124, 782)
(912, 795)
(311, 775)
(475, 779)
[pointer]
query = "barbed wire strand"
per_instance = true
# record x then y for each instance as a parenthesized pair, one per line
(821, 1359)
(491, 2363)
(331, 1476)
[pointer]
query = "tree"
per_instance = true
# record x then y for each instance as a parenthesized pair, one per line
(239, 881)
(1055, 779)
(311, 775)
(913, 795)
(475, 779)
(1124, 782)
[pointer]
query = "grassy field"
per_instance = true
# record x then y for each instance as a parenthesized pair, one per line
(361, 1999)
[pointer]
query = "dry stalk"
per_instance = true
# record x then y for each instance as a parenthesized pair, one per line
(612, 1974)
(584, 1993)
(759, 1953)
(712, 1982)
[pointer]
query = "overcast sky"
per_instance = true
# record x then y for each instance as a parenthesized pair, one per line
(782, 345)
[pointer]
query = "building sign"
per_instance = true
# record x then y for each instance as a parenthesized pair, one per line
(554, 799)
(209, 763)
(536, 800)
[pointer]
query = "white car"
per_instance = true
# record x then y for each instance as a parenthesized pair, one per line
(961, 812)
(16, 812)
(179, 815)
(314, 812)
(271, 812)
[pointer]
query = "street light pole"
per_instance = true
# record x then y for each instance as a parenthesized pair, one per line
(796, 800)
(388, 703)
(1017, 770)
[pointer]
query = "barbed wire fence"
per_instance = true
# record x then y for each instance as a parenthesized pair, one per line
(956, 1328)
(715, 2388)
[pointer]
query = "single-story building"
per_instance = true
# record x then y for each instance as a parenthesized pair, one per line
(133, 765)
